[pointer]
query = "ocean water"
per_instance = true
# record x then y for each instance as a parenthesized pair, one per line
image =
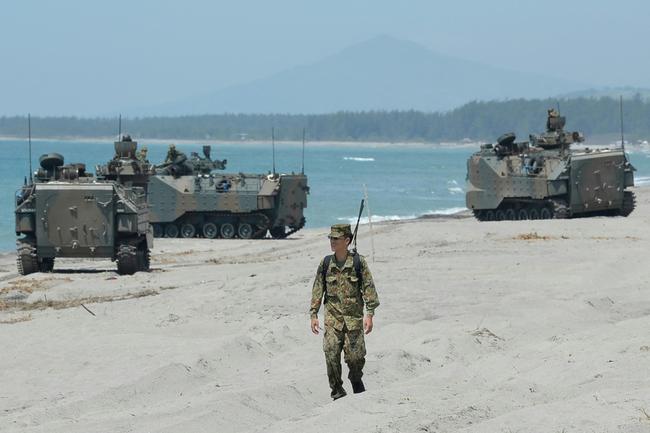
(403, 182)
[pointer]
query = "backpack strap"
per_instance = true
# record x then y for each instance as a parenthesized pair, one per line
(326, 265)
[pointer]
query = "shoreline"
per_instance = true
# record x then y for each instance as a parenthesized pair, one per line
(317, 143)
(450, 214)
(453, 214)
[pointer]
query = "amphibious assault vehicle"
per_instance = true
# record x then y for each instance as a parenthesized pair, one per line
(544, 178)
(66, 212)
(188, 198)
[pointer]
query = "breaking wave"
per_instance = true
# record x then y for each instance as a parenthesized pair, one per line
(357, 158)
(381, 218)
(642, 180)
(448, 211)
(453, 187)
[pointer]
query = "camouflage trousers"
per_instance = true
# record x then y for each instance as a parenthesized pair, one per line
(354, 348)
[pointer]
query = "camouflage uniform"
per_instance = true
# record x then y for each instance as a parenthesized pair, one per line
(552, 113)
(172, 154)
(344, 302)
(142, 155)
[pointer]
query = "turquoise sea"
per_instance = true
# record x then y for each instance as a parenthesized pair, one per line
(403, 181)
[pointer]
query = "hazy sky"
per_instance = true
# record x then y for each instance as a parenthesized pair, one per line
(90, 57)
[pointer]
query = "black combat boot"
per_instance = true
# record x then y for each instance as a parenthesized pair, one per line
(357, 386)
(338, 393)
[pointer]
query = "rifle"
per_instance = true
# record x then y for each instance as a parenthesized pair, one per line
(356, 228)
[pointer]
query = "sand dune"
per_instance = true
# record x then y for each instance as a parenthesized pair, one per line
(537, 326)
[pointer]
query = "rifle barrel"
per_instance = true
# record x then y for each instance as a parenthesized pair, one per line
(356, 228)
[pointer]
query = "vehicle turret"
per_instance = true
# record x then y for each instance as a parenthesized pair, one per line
(50, 163)
(125, 167)
(178, 164)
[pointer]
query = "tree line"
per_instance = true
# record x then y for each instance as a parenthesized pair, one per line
(475, 120)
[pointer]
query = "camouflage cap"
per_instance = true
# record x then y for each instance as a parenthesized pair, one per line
(340, 230)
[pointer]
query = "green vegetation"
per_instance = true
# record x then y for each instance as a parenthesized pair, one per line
(475, 120)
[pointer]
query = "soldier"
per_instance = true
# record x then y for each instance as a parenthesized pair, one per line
(142, 154)
(172, 154)
(344, 282)
(552, 113)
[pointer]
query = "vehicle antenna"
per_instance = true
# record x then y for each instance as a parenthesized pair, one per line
(621, 112)
(119, 128)
(273, 146)
(557, 102)
(29, 133)
(356, 228)
(303, 151)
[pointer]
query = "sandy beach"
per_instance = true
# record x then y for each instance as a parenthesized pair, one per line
(522, 326)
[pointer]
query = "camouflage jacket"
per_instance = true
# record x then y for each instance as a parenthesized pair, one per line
(345, 299)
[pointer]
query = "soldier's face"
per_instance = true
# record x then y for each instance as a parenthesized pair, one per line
(339, 244)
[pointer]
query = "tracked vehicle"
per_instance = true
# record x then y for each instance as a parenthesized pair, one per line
(544, 178)
(66, 212)
(189, 198)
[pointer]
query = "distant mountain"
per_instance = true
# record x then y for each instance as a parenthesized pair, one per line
(609, 92)
(382, 73)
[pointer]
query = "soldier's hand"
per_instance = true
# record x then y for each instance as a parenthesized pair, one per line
(314, 326)
(367, 324)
